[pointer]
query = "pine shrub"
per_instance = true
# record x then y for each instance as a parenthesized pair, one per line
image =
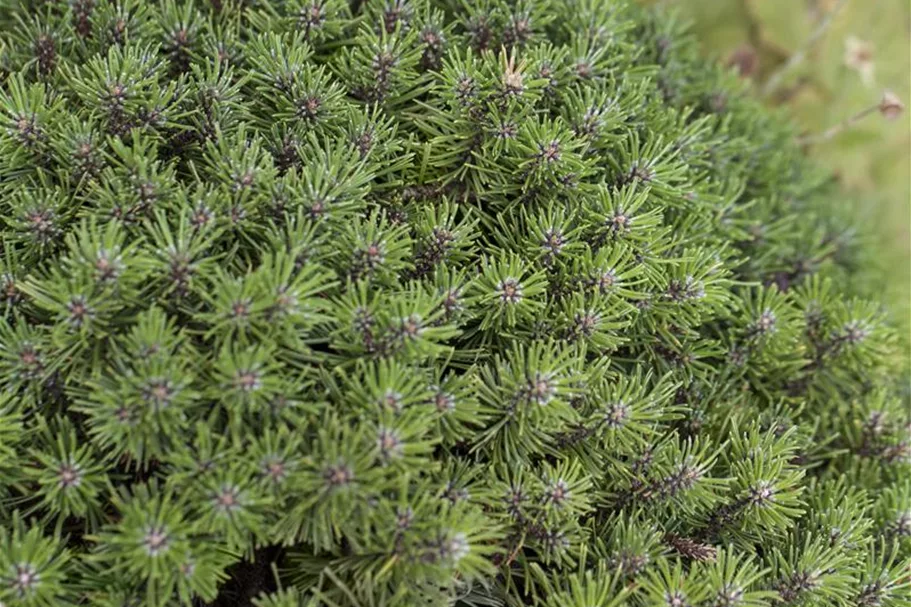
(427, 302)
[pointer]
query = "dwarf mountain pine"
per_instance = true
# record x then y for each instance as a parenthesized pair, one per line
(427, 302)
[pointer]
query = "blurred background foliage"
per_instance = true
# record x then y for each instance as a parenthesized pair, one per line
(855, 50)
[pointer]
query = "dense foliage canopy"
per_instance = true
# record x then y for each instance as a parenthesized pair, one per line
(427, 302)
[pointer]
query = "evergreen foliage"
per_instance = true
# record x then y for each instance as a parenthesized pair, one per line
(427, 302)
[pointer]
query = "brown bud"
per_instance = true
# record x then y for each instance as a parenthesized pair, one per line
(745, 59)
(891, 107)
